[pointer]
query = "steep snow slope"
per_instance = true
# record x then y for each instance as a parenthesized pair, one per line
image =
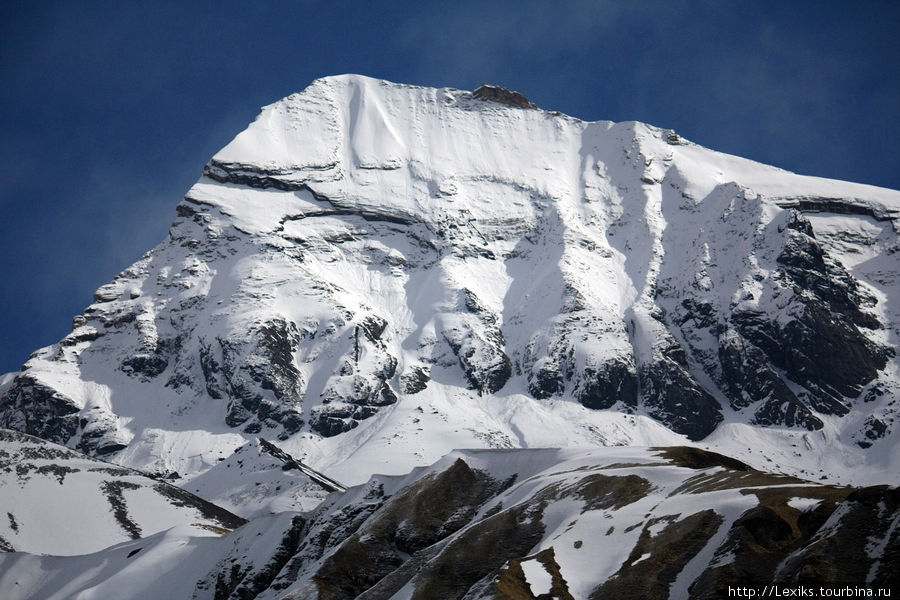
(58, 501)
(375, 274)
(605, 522)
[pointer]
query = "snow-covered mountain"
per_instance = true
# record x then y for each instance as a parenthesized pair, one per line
(374, 274)
(514, 524)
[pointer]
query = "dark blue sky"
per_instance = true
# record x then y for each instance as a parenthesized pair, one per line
(109, 110)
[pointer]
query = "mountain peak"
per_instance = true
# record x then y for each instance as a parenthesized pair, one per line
(374, 274)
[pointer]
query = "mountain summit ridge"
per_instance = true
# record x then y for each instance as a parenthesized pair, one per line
(376, 274)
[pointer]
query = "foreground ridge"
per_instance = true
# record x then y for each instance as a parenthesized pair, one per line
(676, 522)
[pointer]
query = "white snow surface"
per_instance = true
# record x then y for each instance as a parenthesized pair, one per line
(412, 196)
(803, 504)
(57, 501)
(537, 577)
(168, 564)
(251, 483)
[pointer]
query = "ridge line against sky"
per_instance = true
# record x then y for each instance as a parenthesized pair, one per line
(110, 110)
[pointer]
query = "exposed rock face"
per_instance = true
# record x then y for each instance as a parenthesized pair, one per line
(823, 347)
(247, 572)
(361, 386)
(416, 518)
(36, 409)
(831, 543)
(674, 397)
(809, 322)
(513, 583)
(865, 524)
(658, 558)
(750, 380)
(478, 343)
(613, 382)
(263, 385)
(502, 95)
(414, 381)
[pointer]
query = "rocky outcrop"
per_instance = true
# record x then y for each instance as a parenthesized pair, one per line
(244, 574)
(800, 346)
(501, 95)
(749, 380)
(259, 378)
(840, 538)
(659, 557)
(37, 409)
(414, 380)
(361, 387)
(615, 381)
(512, 581)
(478, 343)
(840, 206)
(670, 393)
(866, 524)
(418, 517)
(823, 346)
